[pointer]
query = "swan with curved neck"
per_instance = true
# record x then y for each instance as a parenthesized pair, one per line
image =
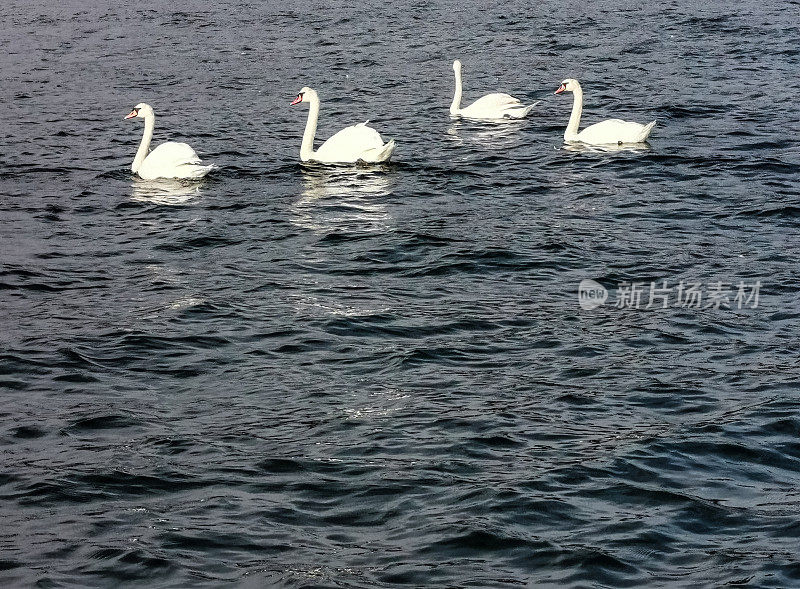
(611, 131)
(350, 145)
(492, 107)
(168, 160)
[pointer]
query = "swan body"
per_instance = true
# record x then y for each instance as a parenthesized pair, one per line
(168, 160)
(611, 131)
(492, 107)
(350, 145)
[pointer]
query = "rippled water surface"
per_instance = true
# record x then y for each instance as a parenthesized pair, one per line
(289, 376)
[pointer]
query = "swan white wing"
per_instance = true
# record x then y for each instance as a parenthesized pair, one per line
(173, 160)
(349, 144)
(496, 106)
(498, 100)
(173, 153)
(615, 131)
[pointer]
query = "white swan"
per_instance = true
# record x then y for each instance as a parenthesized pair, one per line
(350, 145)
(605, 132)
(491, 107)
(168, 160)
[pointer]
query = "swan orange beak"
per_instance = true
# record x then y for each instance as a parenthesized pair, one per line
(296, 100)
(132, 114)
(561, 88)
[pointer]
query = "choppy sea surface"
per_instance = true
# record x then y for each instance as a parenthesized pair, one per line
(299, 377)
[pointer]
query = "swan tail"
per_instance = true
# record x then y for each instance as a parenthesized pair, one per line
(379, 154)
(526, 111)
(648, 128)
(521, 113)
(196, 172)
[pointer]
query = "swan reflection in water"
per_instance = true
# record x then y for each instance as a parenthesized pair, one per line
(494, 135)
(164, 191)
(344, 198)
(607, 148)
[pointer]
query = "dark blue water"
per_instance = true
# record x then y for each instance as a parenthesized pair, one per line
(297, 377)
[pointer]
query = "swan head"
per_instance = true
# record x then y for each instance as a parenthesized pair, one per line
(568, 85)
(306, 94)
(456, 66)
(141, 111)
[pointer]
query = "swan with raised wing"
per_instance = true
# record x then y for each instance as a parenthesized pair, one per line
(614, 131)
(350, 145)
(492, 107)
(168, 160)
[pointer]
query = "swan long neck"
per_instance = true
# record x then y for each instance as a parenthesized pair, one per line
(144, 146)
(456, 106)
(307, 147)
(575, 117)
